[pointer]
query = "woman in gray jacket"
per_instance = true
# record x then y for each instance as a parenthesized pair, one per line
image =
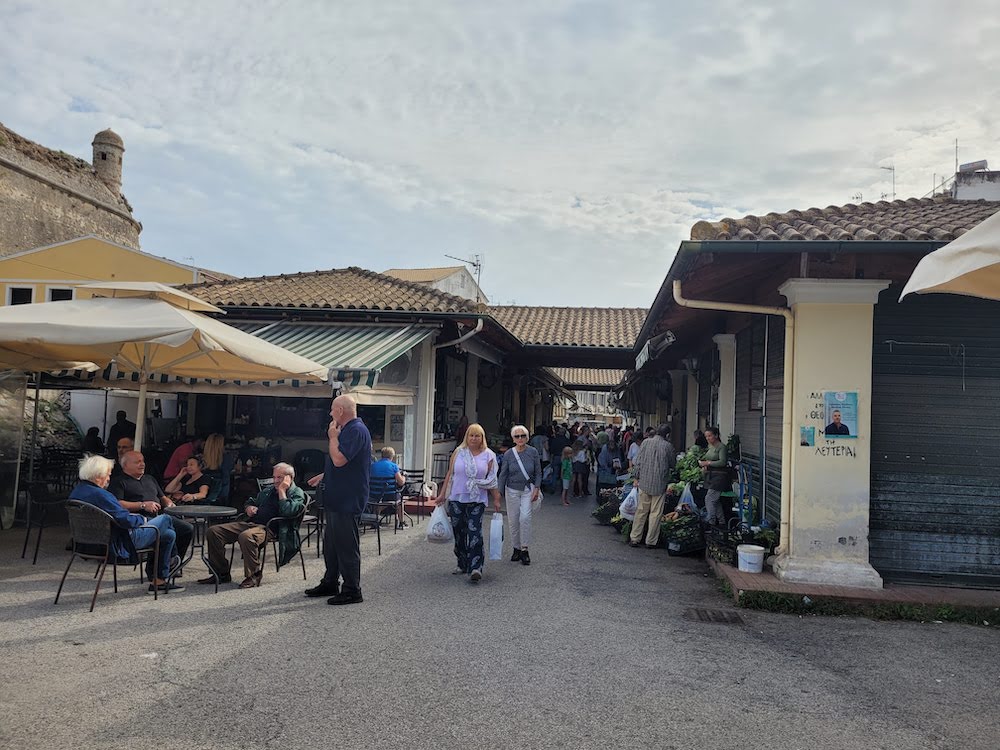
(519, 481)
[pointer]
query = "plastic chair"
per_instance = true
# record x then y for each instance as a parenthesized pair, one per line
(93, 535)
(40, 502)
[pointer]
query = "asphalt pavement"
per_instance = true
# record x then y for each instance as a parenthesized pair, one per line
(595, 645)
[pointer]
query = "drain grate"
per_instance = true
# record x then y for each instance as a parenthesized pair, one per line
(721, 616)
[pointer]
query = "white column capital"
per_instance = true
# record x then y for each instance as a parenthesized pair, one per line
(725, 341)
(833, 291)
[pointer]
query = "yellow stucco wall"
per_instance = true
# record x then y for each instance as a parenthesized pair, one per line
(84, 261)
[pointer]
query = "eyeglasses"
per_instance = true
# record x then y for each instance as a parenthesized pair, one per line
(521, 435)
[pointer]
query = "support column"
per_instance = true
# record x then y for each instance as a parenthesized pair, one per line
(727, 383)
(678, 427)
(831, 472)
(691, 423)
(472, 388)
(424, 407)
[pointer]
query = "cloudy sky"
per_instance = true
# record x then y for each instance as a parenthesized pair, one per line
(570, 143)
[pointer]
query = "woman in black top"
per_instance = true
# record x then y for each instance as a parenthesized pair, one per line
(192, 485)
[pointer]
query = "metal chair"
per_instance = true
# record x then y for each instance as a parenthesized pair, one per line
(412, 490)
(93, 536)
(40, 501)
(272, 536)
(371, 519)
(385, 499)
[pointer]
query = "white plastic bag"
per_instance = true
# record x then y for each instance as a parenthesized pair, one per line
(496, 537)
(629, 505)
(439, 527)
(687, 499)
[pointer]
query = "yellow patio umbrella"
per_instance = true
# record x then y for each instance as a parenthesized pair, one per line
(147, 334)
(969, 265)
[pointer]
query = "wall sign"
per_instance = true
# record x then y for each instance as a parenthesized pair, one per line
(832, 419)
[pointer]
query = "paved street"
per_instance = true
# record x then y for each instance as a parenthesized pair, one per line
(590, 647)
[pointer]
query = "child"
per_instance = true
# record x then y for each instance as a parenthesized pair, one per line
(567, 472)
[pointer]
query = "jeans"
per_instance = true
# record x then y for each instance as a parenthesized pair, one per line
(519, 514)
(142, 538)
(342, 552)
(467, 523)
(713, 505)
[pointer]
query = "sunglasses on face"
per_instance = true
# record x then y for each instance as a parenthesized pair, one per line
(520, 435)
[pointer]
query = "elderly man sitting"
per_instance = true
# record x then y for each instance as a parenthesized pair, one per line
(139, 492)
(282, 500)
(95, 473)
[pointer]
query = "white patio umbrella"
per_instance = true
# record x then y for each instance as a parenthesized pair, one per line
(969, 265)
(143, 335)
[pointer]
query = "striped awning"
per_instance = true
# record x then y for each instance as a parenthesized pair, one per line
(355, 352)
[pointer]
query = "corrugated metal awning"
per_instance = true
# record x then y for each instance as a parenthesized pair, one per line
(355, 353)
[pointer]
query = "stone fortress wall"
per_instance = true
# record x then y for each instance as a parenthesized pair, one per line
(49, 196)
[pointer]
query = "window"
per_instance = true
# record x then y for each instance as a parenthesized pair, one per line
(20, 295)
(104, 156)
(60, 295)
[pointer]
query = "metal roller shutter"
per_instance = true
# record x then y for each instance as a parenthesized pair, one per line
(935, 507)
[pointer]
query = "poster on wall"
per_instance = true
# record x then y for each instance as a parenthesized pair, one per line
(807, 436)
(396, 428)
(841, 408)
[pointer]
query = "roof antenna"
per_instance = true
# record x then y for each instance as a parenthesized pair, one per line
(477, 266)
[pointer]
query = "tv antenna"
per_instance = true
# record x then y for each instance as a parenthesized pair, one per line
(477, 265)
(892, 168)
(858, 197)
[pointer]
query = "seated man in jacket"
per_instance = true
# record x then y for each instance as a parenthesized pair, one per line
(282, 500)
(95, 473)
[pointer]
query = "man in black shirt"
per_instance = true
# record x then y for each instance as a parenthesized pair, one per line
(121, 428)
(836, 427)
(138, 492)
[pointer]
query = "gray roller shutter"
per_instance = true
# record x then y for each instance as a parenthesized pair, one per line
(935, 509)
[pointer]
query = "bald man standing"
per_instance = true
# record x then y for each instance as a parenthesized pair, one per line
(345, 494)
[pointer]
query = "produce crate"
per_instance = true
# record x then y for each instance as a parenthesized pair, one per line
(685, 546)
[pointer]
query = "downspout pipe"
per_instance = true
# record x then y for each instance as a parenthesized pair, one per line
(786, 410)
(464, 337)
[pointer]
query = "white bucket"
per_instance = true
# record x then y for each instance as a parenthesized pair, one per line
(750, 558)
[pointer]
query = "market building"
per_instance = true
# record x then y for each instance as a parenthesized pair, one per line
(864, 419)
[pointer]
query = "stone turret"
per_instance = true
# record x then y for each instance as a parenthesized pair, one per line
(108, 150)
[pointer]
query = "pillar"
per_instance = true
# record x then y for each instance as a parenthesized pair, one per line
(727, 383)
(424, 408)
(472, 388)
(678, 427)
(691, 422)
(831, 473)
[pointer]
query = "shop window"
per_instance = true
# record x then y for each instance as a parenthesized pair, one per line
(374, 419)
(60, 295)
(20, 295)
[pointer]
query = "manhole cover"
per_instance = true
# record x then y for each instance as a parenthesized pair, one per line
(723, 616)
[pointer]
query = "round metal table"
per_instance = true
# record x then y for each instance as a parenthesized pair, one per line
(201, 515)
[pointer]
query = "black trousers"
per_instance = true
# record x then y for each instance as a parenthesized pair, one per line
(185, 533)
(342, 552)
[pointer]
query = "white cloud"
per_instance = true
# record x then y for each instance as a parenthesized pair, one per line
(596, 132)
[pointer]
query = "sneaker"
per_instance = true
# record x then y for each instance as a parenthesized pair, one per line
(634, 544)
(650, 546)
(343, 598)
(163, 588)
(323, 589)
(525, 557)
(457, 571)
(477, 576)
(175, 566)
(516, 556)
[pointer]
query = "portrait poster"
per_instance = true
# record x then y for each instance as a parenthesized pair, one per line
(807, 435)
(396, 427)
(841, 414)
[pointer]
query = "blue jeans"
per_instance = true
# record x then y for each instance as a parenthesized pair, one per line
(145, 537)
(467, 523)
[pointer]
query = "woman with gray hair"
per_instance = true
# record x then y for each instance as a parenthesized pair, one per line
(131, 531)
(520, 481)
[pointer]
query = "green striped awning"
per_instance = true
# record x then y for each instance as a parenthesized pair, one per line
(355, 353)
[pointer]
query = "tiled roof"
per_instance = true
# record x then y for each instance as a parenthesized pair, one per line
(422, 275)
(607, 327)
(939, 219)
(338, 289)
(59, 167)
(582, 378)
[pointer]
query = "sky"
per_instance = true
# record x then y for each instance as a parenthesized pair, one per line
(571, 144)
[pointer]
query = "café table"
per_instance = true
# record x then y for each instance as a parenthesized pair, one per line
(201, 516)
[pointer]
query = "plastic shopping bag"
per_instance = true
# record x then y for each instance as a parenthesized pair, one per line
(496, 537)
(630, 505)
(687, 499)
(439, 527)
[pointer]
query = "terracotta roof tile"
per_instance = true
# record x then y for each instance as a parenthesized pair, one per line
(338, 289)
(939, 219)
(606, 327)
(582, 378)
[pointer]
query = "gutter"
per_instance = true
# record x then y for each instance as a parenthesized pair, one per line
(786, 410)
(464, 337)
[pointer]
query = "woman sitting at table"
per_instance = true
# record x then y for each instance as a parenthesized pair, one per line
(191, 485)
(387, 474)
